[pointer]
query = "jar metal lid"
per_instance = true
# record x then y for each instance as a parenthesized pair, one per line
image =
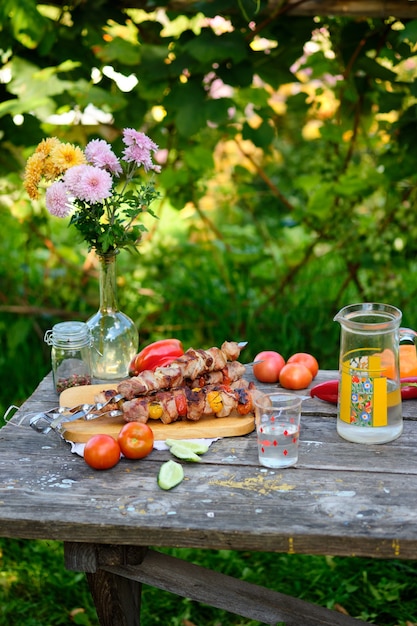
(68, 334)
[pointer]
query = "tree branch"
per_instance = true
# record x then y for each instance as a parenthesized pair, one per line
(262, 174)
(348, 8)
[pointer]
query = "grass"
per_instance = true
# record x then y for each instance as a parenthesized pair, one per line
(36, 590)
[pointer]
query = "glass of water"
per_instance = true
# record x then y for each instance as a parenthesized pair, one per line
(277, 417)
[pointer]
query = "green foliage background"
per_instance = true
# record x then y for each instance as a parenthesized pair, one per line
(289, 172)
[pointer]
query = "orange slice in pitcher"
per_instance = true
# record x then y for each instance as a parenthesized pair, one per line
(408, 360)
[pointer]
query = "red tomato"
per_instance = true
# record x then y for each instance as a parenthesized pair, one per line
(181, 403)
(295, 376)
(135, 440)
(101, 452)
(268, 371)
(305, 359)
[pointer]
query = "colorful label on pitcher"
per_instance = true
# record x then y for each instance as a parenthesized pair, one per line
(364, 396)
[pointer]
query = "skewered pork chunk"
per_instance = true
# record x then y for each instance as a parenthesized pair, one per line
(212, 400)
(196, 404)
(229, 375)
(232, 350)
(191, 365)
(231, 372)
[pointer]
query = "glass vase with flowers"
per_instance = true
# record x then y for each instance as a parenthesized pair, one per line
(104, 199)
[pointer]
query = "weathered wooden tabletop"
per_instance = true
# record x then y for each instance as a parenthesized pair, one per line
(340, 499)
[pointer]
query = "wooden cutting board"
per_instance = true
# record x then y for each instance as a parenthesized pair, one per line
(80, 431)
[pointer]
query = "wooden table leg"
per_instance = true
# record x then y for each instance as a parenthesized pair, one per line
(116, 598)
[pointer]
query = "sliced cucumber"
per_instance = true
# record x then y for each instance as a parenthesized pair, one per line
(170, 475)
(184, 453)
(194, 446)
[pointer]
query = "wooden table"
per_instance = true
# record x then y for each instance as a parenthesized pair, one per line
(341, 499)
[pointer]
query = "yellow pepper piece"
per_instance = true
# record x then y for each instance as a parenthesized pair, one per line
(155, 410)
(215, 401)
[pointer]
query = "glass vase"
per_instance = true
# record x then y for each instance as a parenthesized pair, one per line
(114, 335)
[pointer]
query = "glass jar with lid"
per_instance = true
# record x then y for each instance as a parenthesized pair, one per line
(70, 354)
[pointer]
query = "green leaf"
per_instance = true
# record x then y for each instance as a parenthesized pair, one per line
(353, 34)
(190, 119)
(413, 88)
(119, 49)
(332, 132)
(211, 48)
(299, 103)
(375, 69)
(84, 94)
(171, 178)
(409, 32)
(199, 159)
(15, 107)
(356, 182)
(257, 96)
(189, 102)
(262, 136)
(390, 101)
(236, 74)
(321, 199)
(275, 75)
(318, 64)
(29, 26)
(217, 111)
(155, 68)
(30, 81)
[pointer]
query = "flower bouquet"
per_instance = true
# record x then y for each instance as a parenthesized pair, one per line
(100, 194)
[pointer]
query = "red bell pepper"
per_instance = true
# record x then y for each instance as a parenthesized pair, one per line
(328, 391)
(156, 354)
(409, 387)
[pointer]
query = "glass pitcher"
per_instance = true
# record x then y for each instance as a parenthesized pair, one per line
(369, 403)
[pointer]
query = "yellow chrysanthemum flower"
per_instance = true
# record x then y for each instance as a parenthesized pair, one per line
(33, 174)
(50, 169)
(46, 146)
(66, 155)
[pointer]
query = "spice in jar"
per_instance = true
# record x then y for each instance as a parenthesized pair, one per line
(70, 354)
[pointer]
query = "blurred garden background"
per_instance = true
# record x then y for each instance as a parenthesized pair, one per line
(288, 154)
(288, 150)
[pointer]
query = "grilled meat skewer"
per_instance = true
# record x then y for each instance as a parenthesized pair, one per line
(228, 375)
(234, 370)
(185, 403)
(190, 366)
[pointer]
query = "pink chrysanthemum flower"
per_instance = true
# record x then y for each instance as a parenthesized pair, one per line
(94, 185)
(72, 178)
(99, 153)
(138, 149)
(132, 136)
(57, 200)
